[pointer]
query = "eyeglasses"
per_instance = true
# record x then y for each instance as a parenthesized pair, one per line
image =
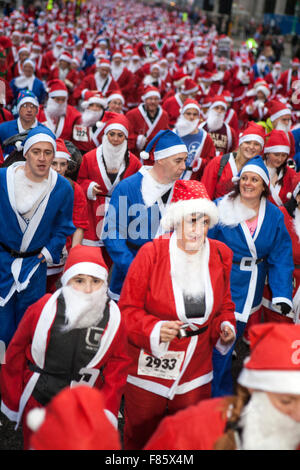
(28, 105)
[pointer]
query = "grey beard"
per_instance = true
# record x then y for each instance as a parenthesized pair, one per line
(90, 117)
(54, 109)
(214, 120)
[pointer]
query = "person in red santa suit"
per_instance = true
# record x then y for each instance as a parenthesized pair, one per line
(146, 120)
(218, 174)
(231, 117)
(221, 77)
(199, 144)
(121, 75)
(64, 72)
(115, 103)
(93, 118)
(50, 57)
(174, 104)
(176, 304)
(74, 420)
(101, 81)
(100, 172)
(241, 82)
(253, 106)
(224, 137)
(291, 212)
(263, 415)
(152, 78)
(57, 114)
(287, 77)
(61, 162)
(65, 339)
(276, 153)
(272, 78)
(23, 54)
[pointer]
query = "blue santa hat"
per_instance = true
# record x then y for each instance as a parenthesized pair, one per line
(165, 144)
(26, 96)
(39, 134)
(255, 165)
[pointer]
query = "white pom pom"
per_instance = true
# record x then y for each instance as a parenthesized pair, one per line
(235, 179)
(289, 195)
(144, 155)
(35, 418)
(99, 124)
(19, 145)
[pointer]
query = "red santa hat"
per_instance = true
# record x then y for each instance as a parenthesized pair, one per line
(189, 197)
(218, 100)
(277, 142)
(253, 132)
(151, 91)
(277, 109)
(66, 56)
(61, 150)
(102, 63)
(189, 87)
(84, 260)
(295, 62)
(91, 97)
(190, 104)
(74, 420)
(57, 88)
(119, 122)
(273, 365)
(115, 96)
(117, 54)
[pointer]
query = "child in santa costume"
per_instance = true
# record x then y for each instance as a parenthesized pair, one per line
(265, 413)
(74, 420)
(177, 305)
(254, 229)
(65, 339)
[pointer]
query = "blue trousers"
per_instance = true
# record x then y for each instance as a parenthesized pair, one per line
(222, 383)
(12, 313)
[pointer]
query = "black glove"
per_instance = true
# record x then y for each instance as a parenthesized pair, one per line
(285, 308)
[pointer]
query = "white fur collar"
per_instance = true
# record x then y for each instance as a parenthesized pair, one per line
(152, 190)
(233, 212)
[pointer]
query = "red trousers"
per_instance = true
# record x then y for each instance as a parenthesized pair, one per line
(144, 410)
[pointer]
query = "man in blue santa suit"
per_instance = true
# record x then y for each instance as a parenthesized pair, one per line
(36, 218)
(27, 107)
(138, 203)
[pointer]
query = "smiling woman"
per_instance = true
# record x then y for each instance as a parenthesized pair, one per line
(254, 229)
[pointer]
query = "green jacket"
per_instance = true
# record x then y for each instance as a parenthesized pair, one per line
(267, 125)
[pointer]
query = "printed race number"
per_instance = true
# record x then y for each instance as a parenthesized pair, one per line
(166, 367)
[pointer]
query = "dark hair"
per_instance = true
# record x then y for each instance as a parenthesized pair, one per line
(236, 190)
(290, 206)
(282, 167)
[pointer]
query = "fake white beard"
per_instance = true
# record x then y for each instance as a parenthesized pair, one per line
(184, 127)
(283, 127)
(218, 76)
(62, 73)
(189, 271)
(242, 76)
(116, 70)
(83, 310)
(266, 428)
(24, 82)
(214, 120)
(27, 192)
(133, 67)
(56, 52)
(296, 222)
(113, 155)
(90, 117)
(261, 65)
(55, 110)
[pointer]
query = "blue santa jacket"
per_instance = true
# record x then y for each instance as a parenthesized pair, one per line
(38, 88)
(48, 229)
(8, 129)
(271, 242)
(128, 224)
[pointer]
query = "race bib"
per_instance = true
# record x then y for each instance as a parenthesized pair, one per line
(80, 133)
(166, 367)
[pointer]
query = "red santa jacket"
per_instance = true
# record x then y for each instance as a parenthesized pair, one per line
(126, 82)
(93, 170)
(140, 124)
(225, 139)
(218, 186)
(150, 296)
(63, 128)
(279, 192)
(172, 106)
(91, 83)
(285, 81)
(30, 342)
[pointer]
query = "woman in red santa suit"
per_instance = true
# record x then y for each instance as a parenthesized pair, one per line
(218, 173)
(291, 212)
(61, 162)
(177, 305)
(276, 153)
(101, 170)
(65, 339)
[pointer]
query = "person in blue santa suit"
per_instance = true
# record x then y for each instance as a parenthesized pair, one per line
(35, 219)
(138, 203)
(27, 107)
(254, 229)
(28, 81)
